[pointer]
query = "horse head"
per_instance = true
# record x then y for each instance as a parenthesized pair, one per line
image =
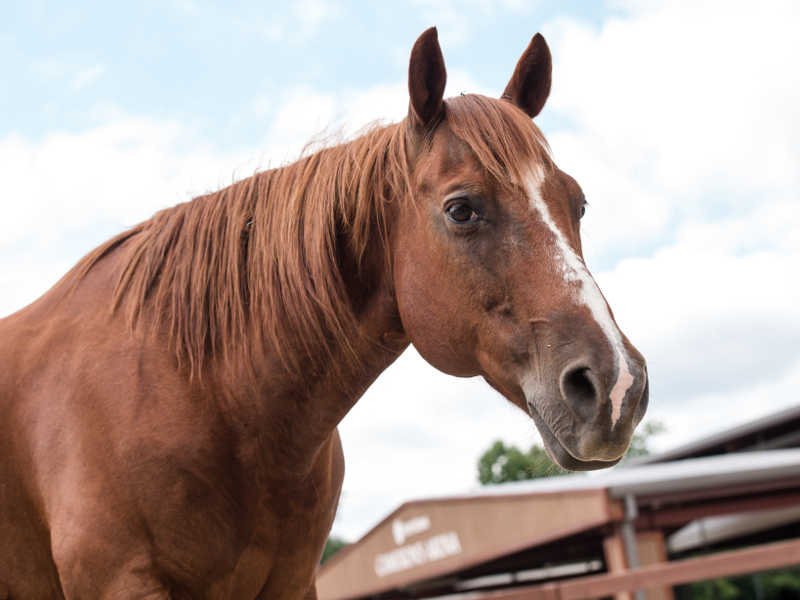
(488, 268)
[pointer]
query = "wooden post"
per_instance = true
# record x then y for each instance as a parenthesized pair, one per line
(616, 561)
(651, 549)
(765, 557)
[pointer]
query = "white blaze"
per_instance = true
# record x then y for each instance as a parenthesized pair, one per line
(588, 293)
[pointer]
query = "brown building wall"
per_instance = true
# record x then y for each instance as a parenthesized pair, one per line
(429, 538)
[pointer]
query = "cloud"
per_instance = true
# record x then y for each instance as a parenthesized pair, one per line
(73, 190)
(60, 70)
(681, 111)
(708, 318)
(418, 432)
(314, 13)
(76, 189)
(189, 8)
(682, 128)
(298, 23)
(683, 121)
(86, 77)
(457, 21)
(301, 115)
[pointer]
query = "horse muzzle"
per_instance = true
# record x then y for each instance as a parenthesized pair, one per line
(587, 414)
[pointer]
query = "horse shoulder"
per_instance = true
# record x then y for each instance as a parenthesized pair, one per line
(305, 510)
(26, 568)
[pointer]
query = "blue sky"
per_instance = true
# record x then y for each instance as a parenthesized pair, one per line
(203, 62)
(679, 119)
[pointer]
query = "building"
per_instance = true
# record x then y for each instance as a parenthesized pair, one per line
(726, 504)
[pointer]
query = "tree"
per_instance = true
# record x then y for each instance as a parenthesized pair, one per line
(502, 463)
(640, 439)
(332, 546)
(769, 585)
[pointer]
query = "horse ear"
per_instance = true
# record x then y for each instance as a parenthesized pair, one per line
(426, 79)
(530, 83)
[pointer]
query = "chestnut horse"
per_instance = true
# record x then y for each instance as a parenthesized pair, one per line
(169, 408)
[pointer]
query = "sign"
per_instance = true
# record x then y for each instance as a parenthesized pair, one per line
(419, 553)
(402, 530)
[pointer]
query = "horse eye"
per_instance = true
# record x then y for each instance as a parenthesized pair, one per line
(461, 213)
(583, 210)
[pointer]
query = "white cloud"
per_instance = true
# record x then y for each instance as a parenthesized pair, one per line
(314, 13)
(297, 24)
(61, 70)
(711, 412)
(680, 111)
(457, 21)
(86, 77)
(189, 8)
(685, 126)
(79, 188)
(72, 190)
(709, 318)
(685, 119)
(120, 171)
(418, 432)
(301, 114)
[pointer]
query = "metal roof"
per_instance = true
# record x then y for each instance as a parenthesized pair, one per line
(777, 430)
(688, 474)
(719, 528)
(496, 521)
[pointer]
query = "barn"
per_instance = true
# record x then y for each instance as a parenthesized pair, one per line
(727, 504)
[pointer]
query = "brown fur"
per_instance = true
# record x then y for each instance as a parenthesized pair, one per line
(169, 409)
(258, 264)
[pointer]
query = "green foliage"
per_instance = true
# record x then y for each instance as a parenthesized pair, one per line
(783, 584)
(716, 589)
(640, 439)
(502, 463)
(332, 546)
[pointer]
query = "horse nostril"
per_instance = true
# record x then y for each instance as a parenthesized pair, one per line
(579, 390)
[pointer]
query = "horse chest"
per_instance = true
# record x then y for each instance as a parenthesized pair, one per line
(288, 526)
(285, 545)
(280, 562)
(250, 541)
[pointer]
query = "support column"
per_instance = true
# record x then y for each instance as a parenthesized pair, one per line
(616, 561)
(650, 548)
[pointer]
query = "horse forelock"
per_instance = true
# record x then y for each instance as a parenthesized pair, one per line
(503, 139)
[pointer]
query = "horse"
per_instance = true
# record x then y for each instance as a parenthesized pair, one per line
(169, 408)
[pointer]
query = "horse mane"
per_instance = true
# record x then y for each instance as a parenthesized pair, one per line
(258, 264)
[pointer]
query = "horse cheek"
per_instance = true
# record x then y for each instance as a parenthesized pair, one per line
(430, 307)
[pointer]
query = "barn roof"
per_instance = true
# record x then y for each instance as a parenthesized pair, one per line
(774, 431)
(431, 537)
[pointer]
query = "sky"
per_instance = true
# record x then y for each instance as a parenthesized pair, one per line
(680, 120)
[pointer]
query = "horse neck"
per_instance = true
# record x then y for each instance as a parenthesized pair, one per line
(313, 398)
(299, 416)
